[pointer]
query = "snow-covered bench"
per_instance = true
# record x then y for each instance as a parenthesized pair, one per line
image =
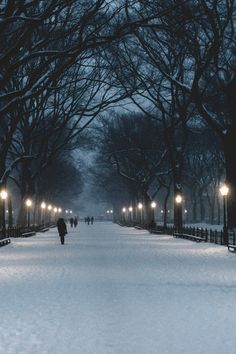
(44, 230)
(28, 234)
(231, 247)
(189, 237)
(5, 241)
(153, 231)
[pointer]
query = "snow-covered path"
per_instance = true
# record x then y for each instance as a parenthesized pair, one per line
(113, 290)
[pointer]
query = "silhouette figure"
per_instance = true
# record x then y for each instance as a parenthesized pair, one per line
(62, 230)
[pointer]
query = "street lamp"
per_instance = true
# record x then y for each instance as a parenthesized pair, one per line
(55, 213)
(140, 207)
(179, 200)
(49, 214)
(224, 190)
(124, 211)
(3, 195)
(43, 207)
(130, 213)
(28, 205)
(153, 206)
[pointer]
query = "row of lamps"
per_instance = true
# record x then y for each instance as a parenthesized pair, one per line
(28, 203)
(224, 191)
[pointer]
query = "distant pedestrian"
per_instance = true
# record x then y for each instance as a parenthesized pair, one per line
(75, 221)
(71, 222)
(88, 220)
(62, 230)
(92, 220)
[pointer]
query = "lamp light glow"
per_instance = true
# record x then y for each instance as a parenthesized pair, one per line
(224, 190)
(153, 204)
(28, 202)
(178, 199)
(3, 194)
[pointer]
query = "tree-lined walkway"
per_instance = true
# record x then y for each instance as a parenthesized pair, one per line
(114, 290)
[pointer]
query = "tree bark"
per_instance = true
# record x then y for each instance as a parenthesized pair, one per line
(230, 167)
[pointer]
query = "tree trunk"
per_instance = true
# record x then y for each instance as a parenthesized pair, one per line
(10, 215)
(218, 210)
(202, 207)
(165, 211)
(178, 209)
(148, 209)
(194, 210)
(230, 166)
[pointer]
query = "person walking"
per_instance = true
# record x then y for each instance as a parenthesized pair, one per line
(88, 220)
(62, 230)
(75, 221)
(71, 222)
(92, 218)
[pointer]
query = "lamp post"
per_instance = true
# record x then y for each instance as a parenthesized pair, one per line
(124, 212)
(140, 207)
(130, 213)
(186, 215)
(49, 213)
(153, 206)
(28, 205)
(55, 213)
(178, 200)
(224, 190)
(3, 195)
(43, 206)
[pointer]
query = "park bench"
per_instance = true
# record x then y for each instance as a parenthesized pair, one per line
(153, 231)
(44, 230)
(138, 227)
(28, 234)
(189, 237)
(231, 247)
(5, 241)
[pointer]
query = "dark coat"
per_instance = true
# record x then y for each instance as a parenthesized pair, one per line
(61, 227)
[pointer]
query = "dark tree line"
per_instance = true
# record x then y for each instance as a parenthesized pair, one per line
(64, 63)
(183, 64)
(54, 80)
(135, 164)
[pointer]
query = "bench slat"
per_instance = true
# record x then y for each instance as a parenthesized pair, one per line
(189, 237)
(155, 231)
(231, 248)
(28, 234)
(5, 241)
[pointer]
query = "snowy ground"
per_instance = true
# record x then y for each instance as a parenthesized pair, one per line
(114, 290)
